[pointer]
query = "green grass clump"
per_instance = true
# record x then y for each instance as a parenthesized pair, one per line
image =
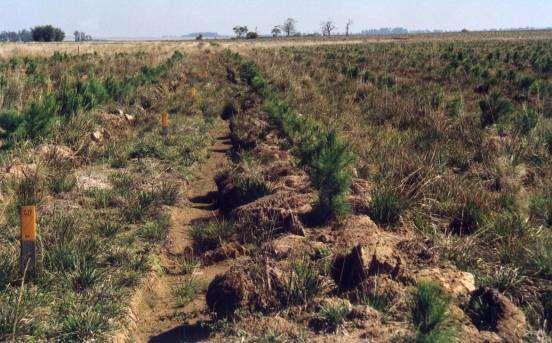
(304, 283)
(494, 108)
(168, 193)
(101, 197)
(334, 315)
(467, 219)
(210, 235)
(430, 314)
(186, 291)
(155, 231)
(386, 206)
(453, 108)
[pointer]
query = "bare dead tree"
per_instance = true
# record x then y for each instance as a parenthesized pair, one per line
(348, 27)
(327, 27)
(289, 26)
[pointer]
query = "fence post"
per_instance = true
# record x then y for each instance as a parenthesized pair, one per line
(27, 217)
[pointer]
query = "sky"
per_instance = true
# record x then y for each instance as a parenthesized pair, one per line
(157, 18)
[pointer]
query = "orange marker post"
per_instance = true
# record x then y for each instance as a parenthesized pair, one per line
(27, 216)
(165, 124)
(193, 92)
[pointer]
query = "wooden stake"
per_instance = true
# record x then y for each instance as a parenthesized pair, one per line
(165, 124)
(27, 216)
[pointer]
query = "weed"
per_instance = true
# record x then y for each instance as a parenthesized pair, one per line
(123, 182)
(7, 268)
(86, 274)
(27, 189)
(107, 228)
(59, 181)
(188, 265)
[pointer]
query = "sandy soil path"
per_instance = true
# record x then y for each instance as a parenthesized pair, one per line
(155, 314)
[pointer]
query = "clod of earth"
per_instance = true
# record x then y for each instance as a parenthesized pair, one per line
(348, 271)
(226, 294)
(491, 311)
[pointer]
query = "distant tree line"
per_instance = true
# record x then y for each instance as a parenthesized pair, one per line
(13, 36)
(44, 33)
(289, 28)
(243, 32)
(386, 31)
(81, 36)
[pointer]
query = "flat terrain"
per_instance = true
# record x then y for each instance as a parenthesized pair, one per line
(345, 189)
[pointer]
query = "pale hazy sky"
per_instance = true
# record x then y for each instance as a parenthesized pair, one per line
(154, 18)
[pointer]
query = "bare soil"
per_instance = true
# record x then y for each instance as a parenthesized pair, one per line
(154, 315)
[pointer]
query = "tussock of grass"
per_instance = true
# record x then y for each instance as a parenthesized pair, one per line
(211, 234)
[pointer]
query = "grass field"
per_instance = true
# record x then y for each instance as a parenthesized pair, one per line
(394, 189)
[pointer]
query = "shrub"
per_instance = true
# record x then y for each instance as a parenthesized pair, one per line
(252, 35)
(430, 312)
(259, 85)
(10, 121)
(93, 93)
(493, 108)
(525, 82)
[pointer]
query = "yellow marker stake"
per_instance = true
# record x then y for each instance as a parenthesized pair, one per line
(27, 216)
(165, 124)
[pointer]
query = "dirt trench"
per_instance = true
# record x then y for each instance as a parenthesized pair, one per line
(154, 315)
